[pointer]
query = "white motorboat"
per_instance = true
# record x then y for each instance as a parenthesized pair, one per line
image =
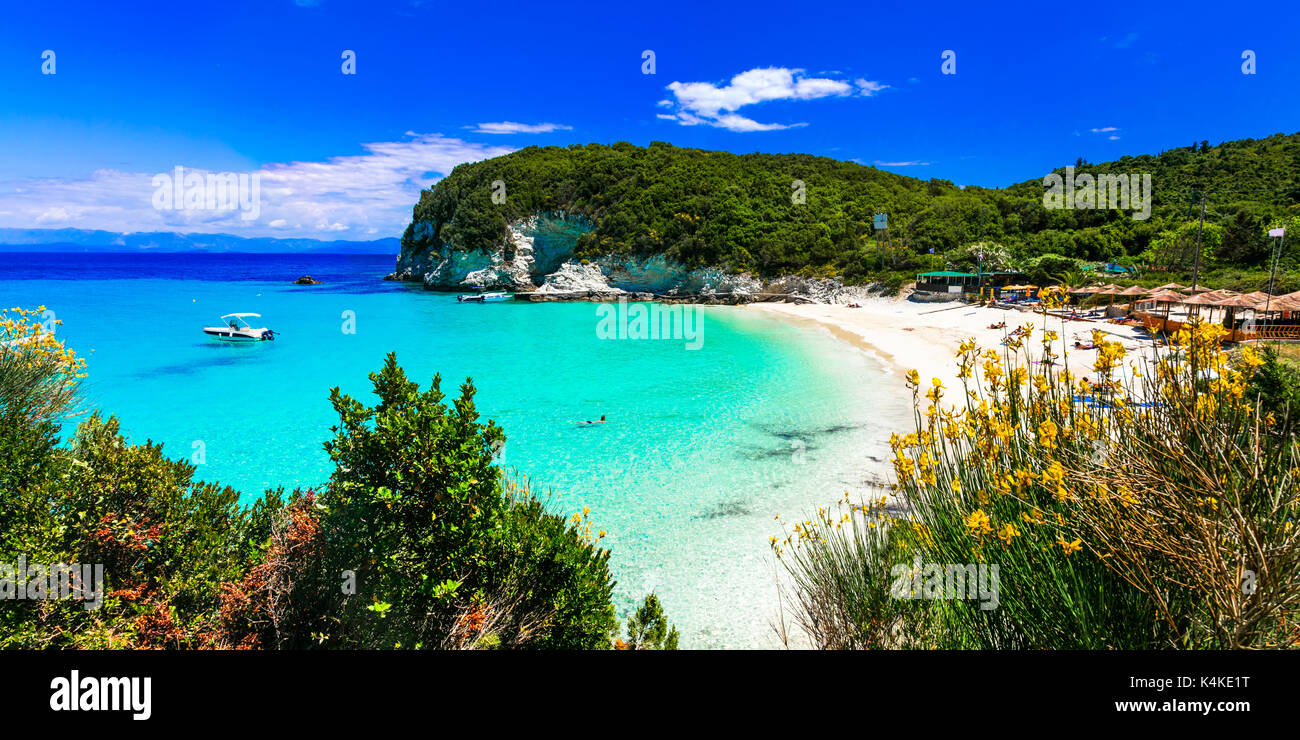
(237, 329)
(484, 298)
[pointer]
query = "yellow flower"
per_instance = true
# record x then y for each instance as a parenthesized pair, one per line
(1070, 547)
(1008, 531)
(1054, 479)
(1047, 434)
(978, 523)
(1126, 496)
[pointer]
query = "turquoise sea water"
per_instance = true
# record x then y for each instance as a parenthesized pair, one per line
(701, 450)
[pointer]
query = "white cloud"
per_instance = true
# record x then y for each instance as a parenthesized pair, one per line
(1104, 129)
(909, 163)
(696, 103)
(736, 122)
(53, 216)
(868, 88)
(1112, 138)
(351, 196)
(511, 127)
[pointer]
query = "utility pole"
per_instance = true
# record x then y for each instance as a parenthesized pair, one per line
(1196, 273)
(879, 222)
(1273, 272)
(980, 269)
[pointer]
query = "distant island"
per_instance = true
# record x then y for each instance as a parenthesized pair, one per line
(86, 240)
(668, 219)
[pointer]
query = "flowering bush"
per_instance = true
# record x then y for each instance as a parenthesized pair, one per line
(1150, 508)
(418, 541)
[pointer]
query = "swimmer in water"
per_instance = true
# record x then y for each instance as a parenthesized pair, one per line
(599, 421)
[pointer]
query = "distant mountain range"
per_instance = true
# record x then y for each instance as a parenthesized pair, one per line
(83, 240)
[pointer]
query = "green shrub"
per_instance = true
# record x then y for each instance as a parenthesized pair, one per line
(418, 541)
(445, 552)
(649, 628)
(1277, 385)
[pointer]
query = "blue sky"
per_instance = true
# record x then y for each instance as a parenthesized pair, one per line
(257, 87)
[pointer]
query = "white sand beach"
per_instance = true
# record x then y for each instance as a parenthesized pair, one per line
(904, 334)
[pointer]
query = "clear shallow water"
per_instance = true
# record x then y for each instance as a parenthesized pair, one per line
(701, 450)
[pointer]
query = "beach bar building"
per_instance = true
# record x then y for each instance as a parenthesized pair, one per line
(947, 281)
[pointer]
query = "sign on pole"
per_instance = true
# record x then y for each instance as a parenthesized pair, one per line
(878, 221)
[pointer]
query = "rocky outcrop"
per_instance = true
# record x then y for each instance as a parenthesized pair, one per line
(532, 250)
(574, 277)
(821, 290)
(537, 258)
(658, 274)
(306, 280)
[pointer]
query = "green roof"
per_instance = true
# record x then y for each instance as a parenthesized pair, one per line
(945, 273)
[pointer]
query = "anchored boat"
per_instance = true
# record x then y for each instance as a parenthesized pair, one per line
(483, 298)
(237, 329)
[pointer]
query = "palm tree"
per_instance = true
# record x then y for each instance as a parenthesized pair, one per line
(1072, 279)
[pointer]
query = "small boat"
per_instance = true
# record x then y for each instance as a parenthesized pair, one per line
(483, 298)
(237, 329)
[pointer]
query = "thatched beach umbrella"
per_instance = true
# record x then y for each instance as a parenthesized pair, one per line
(1290, 300)
(1169, 286)
(1133, 291)
(1202, 299)
(1278, 303)
(1197, 289)
(1236, 301)
(1167, 297)
(1220, 294)
(1285, 303)
(1233, 304)
(1111, 290)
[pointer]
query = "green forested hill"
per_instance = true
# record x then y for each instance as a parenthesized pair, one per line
(737, 211)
